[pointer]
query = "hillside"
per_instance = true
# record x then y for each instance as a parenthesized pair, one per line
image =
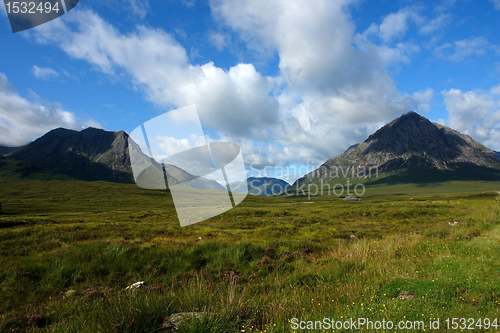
(18, 170)
(265, 186)
(5, 151)
(91, 154)
(411, 145)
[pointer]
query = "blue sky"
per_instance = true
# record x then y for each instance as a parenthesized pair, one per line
(292, 82)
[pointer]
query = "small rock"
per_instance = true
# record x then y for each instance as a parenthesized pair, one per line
(353, 236)
(173, 321)
(406, 295)
(452, 223)
(136, 285)
(351, 199)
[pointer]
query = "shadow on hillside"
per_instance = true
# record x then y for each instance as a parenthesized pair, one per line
(463, 172)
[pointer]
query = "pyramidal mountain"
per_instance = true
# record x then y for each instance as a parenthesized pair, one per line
(410, 143)
(91, 154)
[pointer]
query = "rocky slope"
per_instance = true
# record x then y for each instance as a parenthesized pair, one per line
(408, 143)
(92, 154)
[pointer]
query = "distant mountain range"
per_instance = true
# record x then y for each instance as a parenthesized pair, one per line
(408, 149)
(92, 154)
(411, 146)
(265, 186)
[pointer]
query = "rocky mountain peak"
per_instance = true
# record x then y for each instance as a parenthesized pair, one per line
(412, 142)
(92, 154)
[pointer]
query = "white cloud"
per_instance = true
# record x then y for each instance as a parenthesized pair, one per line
(476, 114)
(394, 25)
(435, 24)
(314, 43)
(400, 53)
(387, 37)
(462, 49)
(445, 5)
(335, 93)
(22, 120)
(218, 40)
(127, 9)
(43, 73)
(188, 3)
(91, 123)
(441, 121)
(139, 8)
(171, 146)
(496, 3)
(421, 100)
(495, 90)
(235, 101)
(332, 90)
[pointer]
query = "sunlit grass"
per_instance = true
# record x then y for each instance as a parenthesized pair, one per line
(69, 249)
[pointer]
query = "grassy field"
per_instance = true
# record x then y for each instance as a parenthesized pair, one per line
(69, 249)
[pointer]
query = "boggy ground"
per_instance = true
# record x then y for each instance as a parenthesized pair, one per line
(69, 249)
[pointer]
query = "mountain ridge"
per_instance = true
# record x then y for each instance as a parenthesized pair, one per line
(91, 154)
(409, 143)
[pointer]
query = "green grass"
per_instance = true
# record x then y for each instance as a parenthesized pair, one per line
(69, 249)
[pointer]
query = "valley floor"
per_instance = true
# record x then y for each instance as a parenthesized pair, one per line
(68, 250)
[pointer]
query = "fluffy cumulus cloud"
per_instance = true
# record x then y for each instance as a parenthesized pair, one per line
(234, 101)
(332, 89)
(422, 99)
(388, 36)
(22, 120)
(463, 49)
(44, 73)
(171, 146)
(476, 114)
(395, 25)
(336, 86)
(432, 25)
(314, 43)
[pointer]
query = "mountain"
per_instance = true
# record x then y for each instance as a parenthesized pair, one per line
(11, 169)
(264, 186)
(409, 144)
(91, 154)
(5, 151)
